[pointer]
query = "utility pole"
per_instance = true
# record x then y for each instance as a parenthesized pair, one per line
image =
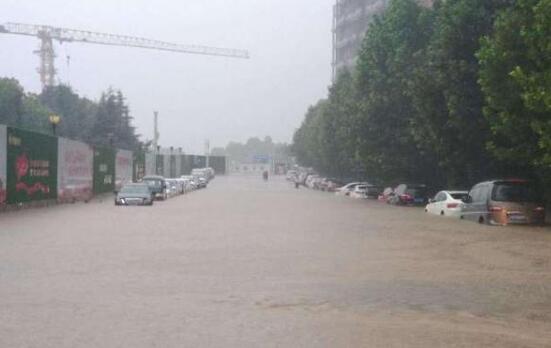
(207, 152)
(155, 137)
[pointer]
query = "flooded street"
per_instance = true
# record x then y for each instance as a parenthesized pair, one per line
(251, 264)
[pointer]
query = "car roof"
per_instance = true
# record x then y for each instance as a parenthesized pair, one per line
(138, 184)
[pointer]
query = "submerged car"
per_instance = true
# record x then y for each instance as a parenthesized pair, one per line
(504, 202)
(157, 185)
(134, 194)
(408, 194)
(447, 203)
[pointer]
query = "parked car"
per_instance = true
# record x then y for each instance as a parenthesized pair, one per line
(386, 195)
(360, 191)
(172, 187)
(373, 191)
(291, 175)
(447, 203)
(347, 189)
(181, 185)
(503, 202)
(408, 194)
(157, 185)
(134, 194)
(189, 185)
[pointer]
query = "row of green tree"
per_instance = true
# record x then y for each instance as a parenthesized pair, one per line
(103, 122)
(254, 150)
(447, 95)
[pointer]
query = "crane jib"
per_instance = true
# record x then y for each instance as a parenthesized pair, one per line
(48, 33)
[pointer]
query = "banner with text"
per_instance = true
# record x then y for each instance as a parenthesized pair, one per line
(123, 168)
(75, 171)
(31, 166)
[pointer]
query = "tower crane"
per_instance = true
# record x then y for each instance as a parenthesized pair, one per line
(49, 34)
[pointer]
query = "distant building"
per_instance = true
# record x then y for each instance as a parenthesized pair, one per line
(351, 19)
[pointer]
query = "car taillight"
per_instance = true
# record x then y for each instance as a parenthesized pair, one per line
(496, 209)
(453, 205)
(406, 197)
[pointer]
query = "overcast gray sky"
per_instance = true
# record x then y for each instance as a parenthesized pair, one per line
(198, 97)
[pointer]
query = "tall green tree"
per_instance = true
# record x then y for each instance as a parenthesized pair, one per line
(385, 67)
(448, 100)
(112, 123)
(76, 113)
(11, 102)
(515, 75)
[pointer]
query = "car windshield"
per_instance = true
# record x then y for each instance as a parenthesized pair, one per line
(515, 192)
(153, 183)
(135, 189)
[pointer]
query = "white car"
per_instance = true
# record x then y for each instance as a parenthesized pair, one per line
(360, 191)
(447, 203)
(347, 189)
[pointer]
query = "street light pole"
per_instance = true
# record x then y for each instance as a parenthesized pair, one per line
(54, 121)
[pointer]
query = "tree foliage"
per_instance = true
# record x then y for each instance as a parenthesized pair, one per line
(106, 122)
(515, 76)
(447, 95)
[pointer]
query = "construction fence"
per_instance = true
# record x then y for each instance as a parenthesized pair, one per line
(36, 167)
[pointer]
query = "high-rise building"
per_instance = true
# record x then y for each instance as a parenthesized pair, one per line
(351, 19)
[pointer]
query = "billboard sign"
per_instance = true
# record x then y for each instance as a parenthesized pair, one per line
(75, 171)
(123, 168)
(31, 166)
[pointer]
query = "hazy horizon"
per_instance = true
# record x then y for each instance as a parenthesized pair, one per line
(198, 97)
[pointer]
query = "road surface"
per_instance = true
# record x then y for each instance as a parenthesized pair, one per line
(251, 264)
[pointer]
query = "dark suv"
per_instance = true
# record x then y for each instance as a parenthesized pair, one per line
(409, 194)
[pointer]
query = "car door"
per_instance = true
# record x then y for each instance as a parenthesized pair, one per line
(469, 207)
(433, 205)
(441, 200)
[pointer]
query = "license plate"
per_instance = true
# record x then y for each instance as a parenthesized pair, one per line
(517, 218)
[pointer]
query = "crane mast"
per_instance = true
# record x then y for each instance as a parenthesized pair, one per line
(49, 34)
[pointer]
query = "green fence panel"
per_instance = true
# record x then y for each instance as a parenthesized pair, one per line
(104, 169)
(3, 163)
(31, 166)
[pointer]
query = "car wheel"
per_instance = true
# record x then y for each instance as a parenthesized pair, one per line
(442, 213)
(481, 220)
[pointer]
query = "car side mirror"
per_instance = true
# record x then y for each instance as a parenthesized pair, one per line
(468, 199)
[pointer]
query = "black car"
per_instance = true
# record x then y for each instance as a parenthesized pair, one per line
(134, 194)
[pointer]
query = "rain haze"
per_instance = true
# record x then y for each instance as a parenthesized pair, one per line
(198, 97)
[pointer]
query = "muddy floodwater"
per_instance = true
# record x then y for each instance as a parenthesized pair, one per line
(251, 264)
